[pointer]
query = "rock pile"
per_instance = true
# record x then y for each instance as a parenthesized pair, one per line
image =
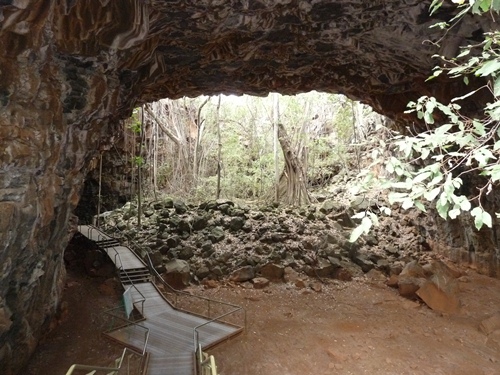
(219, 239)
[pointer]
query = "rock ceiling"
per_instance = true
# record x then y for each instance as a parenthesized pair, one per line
(69, 69)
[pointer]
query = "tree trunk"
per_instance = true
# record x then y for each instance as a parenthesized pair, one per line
(139, 171)
(219, 147)
(293, 187)
(197, 142)
(276, 119)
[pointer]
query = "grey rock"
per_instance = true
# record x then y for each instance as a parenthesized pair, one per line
(243, 274)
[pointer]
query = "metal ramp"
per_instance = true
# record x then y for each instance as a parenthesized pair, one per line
(174, 334)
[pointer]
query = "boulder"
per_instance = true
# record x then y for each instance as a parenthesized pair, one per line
(177, 273)
(408, 286)
(490, 324)
(186, 252)
(216, 234)
(242, 274)
(438, 299)
(413, 269)
(260, 282)
(272, 271)
(202, 272)
(290, 275)
(236, 223)
(180, 207)
(200, 222)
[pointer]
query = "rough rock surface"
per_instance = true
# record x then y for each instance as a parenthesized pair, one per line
(71, 69)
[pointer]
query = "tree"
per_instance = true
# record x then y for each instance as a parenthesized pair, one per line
(461, 147)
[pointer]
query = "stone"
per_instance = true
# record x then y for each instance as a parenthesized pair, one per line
(180, 207)
(360, 204)
(375, 275)
(408, 286)
(272, 271)
(216, 235)
(328, 206)
(413, 269)
(438, 267)
(290, 275)
(236, 223)
(490, 324)
(168, 203)
(317, 287)
(493, 342)
(177, 273)
(186, 252)
(365, 264)
(438, 299)
(342, 274)
(260, 282)
(200, 222)
(156, 258)
(393, 281)
(300, 284)
(210, 284)
(173, 241)
(242, 274)
(202, 272)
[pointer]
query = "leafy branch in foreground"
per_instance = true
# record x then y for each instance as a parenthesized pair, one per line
(434, 163)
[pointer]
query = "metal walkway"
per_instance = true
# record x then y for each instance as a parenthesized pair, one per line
(174, 334)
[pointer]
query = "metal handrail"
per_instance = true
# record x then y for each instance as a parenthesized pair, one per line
(101, 368)
(177, 292)
(129, 322)
(90, 229)
(207, 363)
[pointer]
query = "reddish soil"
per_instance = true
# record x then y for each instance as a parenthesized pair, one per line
(357, 327)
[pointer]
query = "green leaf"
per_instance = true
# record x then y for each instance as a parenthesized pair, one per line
(407, 203)
(487, 219)
(422, 177)
(488, 67)
(386, 211)
(484, 5)
(465, 205)
(466, 80)
(428, 118)
(356, 233)
(394, 197)
(431, 195)
(435, 5)
(442, 208)
(359, 215)
(454, 213)
(496, 85)
(477, 214)
(420, 206)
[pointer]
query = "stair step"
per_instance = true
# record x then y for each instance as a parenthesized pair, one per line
(107, 243)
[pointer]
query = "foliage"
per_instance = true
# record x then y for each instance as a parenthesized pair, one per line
(433, 164)
(135, 124)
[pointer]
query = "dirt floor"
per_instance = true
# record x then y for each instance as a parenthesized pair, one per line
(357, 327)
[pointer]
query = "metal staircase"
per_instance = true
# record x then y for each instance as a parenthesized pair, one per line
(174, 338)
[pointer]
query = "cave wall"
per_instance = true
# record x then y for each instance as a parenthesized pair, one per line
(70, 69)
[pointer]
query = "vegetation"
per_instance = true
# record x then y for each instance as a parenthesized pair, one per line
(191, 142)
(434, 164)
